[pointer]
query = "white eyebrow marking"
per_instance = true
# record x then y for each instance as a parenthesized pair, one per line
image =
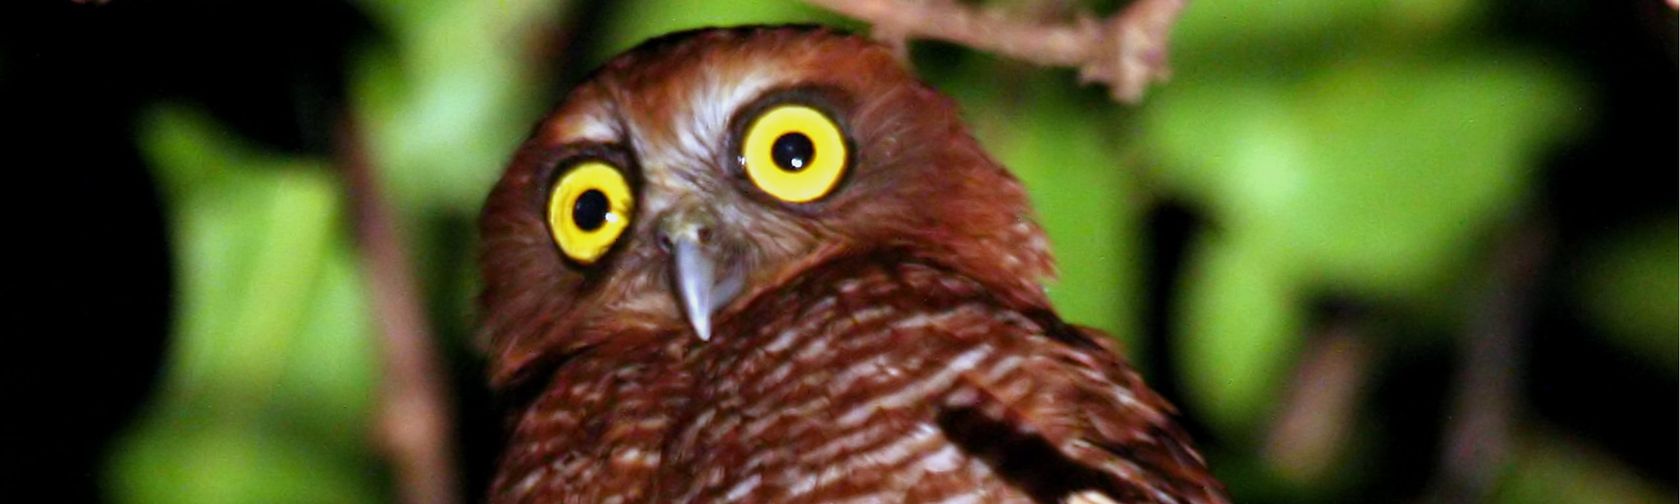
(591, 128)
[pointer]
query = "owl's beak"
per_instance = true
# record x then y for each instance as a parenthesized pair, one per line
(703, 284)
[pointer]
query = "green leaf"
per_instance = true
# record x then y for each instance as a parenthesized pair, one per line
(631, 22)
(1280, 37)
(1550, 467)
(1240, 329)
(178, 460)
(446, 104)
(250, 232)
(1367, 177)
(1373, 174)
(270, 369)
(329, 378)
(1630, 290)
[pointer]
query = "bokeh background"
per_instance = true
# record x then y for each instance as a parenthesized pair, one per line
(1355, 240)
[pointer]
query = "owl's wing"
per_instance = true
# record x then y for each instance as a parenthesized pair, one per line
(1076, 424)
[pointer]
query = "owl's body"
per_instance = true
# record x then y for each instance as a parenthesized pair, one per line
(866, 330)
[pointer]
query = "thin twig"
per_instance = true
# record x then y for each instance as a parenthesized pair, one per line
(1318, 415)
(1478, 427)
(415, 415)
(1126, 51)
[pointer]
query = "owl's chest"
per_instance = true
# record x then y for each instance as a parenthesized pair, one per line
(597, 433)
(821, 403)
(815, 417)
(828, 408)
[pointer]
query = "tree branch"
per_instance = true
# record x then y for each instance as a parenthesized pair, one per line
(1478, 425)
(1317, 417)
(415, 415)
(1126, 51)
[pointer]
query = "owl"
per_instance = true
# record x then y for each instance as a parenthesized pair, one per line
(767, 264)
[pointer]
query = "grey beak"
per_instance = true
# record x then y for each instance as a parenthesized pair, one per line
(703, 284)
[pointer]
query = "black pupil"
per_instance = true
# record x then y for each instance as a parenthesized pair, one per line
(792, 151)
(590, 210)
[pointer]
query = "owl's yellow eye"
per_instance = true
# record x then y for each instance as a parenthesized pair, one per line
(795, 153)
(588, 209)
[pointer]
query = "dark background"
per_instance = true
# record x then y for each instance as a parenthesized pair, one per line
(85, 350)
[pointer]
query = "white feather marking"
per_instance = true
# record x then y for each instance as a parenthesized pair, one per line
(742, 489)
(1088, 497)
(919, 390)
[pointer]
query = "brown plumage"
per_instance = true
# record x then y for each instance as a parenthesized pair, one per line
(740, 340)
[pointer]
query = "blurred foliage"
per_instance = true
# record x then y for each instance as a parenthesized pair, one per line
(635, 21)
(270, 375)
(1550, 467)
(1631, 287)
(1367, 171)
(449, 98)
(1357, 148)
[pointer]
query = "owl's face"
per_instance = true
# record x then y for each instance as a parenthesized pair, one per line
(696, 171)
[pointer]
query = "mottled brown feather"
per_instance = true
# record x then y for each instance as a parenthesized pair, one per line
(856, 381)
(893, 342)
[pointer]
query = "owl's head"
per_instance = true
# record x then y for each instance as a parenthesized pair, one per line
(701, 169)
